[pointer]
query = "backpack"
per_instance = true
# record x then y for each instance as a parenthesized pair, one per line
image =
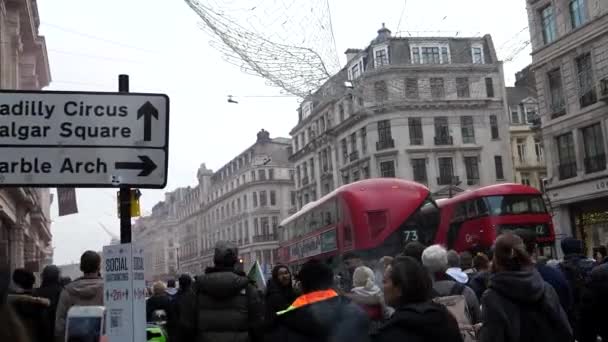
(535, 325)
(456, 304)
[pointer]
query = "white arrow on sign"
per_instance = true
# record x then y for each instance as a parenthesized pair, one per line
(81, 167)
(48, 118)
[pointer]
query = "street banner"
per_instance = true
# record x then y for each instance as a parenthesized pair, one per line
(66, 198)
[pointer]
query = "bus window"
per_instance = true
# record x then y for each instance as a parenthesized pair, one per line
(422, 225)
(376, 221)
(348, 236)
(459, 213)
(482, 208)
(471, 210)
(516, 204)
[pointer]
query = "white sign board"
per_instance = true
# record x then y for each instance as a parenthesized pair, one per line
(118, 139)
(124, 293)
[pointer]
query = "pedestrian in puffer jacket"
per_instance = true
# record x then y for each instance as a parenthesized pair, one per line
(225, 305)
(518, 305)
(84, 291)
(50, 288)
(320, 314)
(31, 310)
(408, 288)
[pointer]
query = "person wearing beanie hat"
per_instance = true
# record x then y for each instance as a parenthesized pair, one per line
(368, 295)
(223, 294)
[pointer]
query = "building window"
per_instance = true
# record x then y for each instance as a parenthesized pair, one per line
(521, 150)
(238, 205)
(419, 168)
(595, 156)
(387, 168)
(344, 151)
(514, 116)
(462, 87)
(380, 91)
(547, 20)
(305, 172)
(275, 224)
(271, 174)
(445, 59)
(253, 176)
(261, 175)
(256, 227)
(353, 142)
(477, 54)
(363, 133)
(255, 199)
(437, 88)
(587, 95)
(430, 55)
(494, 127)
(489, 87)
(355, 72)
(411, 88)
(556, 93)
(500, 175)
(273, 197)
(525, 178)
(345, 178)
(385, 138)
(538, 148)
(324, 161)
(381, 56)
(263, 199)
(245, 201)
(566, 156)
(416, 55)
(341, 112)
(471, 165)
(356, 175)
(442, 131)
(292, 197)
(577, 13)
(467, 129)
(416, 135)
(265, 225)
(365, 171)
(312, 167)
(446, 171)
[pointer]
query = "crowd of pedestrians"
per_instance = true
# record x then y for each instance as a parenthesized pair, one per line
(426, 293)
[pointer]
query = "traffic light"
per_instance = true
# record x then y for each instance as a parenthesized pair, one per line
(134, 200)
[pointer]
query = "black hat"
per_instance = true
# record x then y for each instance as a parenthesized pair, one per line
(226, 254)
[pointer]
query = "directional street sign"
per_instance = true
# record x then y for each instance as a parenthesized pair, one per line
(83, 139)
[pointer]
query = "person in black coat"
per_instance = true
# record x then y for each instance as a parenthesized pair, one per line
(408, 288)
(159, 302)
(594, 302)
(225, 305)
(30, 309)
(518, 305)
(279, 294)
(50, 289)
(320, 314)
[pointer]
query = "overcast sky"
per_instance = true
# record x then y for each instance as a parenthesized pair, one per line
(160, 45)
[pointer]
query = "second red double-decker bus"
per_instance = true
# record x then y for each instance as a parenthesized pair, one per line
(473, 219)
(374, 217)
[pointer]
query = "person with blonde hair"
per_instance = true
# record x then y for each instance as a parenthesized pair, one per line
(368, 295)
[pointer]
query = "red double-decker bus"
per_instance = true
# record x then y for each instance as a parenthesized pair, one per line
(473, 219)
(374, 217)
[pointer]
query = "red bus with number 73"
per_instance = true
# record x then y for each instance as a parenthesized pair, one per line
(375, 217)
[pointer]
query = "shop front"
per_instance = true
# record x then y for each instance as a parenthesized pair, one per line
(581, 211)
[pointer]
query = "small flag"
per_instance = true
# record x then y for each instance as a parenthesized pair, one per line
(255, 274)
(67, 201)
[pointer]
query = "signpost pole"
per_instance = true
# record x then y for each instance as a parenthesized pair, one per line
(125, 192)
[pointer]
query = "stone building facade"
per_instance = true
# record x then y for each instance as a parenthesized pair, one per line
(528, 152)
(243, 201)
(25, 221)
(424, 109)
(570, 62)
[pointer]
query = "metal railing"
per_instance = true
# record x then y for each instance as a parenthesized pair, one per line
(265, 238)
(444, 140)
(385, 144)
